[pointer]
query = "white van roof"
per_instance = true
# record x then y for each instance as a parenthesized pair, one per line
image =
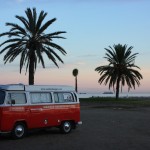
(21, 87)
(48, 88)
(15, 87)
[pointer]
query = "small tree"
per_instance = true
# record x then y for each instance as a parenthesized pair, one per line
(75, 74)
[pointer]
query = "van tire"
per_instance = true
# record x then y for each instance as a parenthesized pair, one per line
(19, 130)
(66, 127)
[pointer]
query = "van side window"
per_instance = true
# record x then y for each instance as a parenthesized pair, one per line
(40, 98)
(60, 97)
(18, 97)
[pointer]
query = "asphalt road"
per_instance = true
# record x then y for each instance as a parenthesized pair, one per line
(102, 129)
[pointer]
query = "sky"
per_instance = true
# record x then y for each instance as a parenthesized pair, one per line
(91, 26)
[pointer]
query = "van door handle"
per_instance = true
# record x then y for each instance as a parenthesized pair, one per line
(27, 110)
(36, 109)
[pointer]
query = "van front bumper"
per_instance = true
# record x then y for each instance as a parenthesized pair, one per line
(1, 132)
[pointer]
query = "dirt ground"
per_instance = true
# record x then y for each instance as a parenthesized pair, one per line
(112, 128)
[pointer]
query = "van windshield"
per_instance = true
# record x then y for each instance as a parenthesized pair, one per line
(2, 97)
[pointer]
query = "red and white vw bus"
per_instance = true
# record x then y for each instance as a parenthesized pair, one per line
(24, 107)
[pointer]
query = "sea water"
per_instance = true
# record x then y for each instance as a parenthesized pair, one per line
(126, 95)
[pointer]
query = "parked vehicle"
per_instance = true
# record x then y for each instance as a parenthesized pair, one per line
(24, 107)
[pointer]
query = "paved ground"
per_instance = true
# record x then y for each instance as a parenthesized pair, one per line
(113, 128)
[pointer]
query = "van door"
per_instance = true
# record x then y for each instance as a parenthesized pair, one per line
(41, 110)
(2, 98)
(16, 112)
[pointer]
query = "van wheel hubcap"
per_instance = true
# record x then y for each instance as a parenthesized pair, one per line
(67, 126)
(19, 131)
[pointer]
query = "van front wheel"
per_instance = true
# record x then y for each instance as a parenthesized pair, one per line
(66, 127)
(19, 131)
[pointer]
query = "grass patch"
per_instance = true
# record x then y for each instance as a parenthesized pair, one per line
(134, 101)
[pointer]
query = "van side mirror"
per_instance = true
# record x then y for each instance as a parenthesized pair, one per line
(12, 102)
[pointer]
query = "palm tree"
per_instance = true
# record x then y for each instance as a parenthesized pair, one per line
(75, 74)
(31, 42)
(120, 68)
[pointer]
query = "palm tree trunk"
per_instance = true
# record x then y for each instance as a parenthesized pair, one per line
(31, 70)
(76, 84)
(117, 88)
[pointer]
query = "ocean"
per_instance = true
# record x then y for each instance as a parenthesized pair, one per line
(126, 95)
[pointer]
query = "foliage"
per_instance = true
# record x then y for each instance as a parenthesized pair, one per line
(120, 70)
(109, 101)
(75, 74)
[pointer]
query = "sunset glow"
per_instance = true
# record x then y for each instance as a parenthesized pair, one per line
(91, 26)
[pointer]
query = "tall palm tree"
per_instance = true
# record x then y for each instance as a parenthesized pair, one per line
(75, 74)
(30, 42)
(120, 68)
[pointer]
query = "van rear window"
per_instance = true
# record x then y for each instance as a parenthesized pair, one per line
(60, 97)
(2, 97)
